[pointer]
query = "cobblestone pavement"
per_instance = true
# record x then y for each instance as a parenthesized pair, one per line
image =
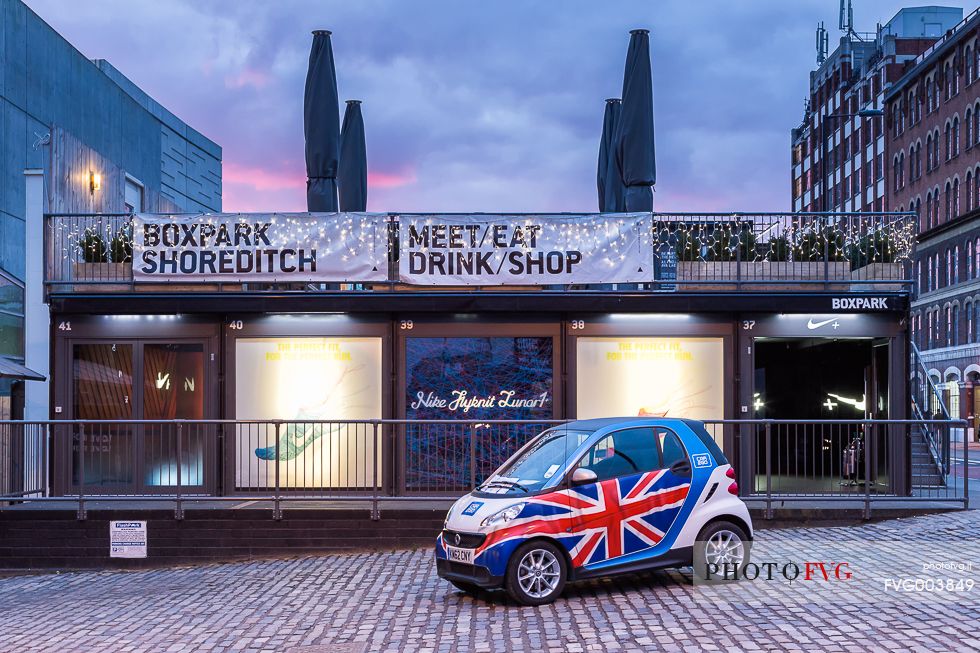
(395, 602)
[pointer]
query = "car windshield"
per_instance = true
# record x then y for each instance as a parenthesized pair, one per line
(542, 460)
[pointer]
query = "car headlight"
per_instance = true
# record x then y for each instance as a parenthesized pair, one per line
(505, 515)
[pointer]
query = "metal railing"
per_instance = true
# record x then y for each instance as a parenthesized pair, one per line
(279, 462)
(825, 462)
(927, 403)
(707, 252)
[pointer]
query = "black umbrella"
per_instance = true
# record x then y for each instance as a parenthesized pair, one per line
(321, 124)
(635, 150)
(608, 179)
(352, 174)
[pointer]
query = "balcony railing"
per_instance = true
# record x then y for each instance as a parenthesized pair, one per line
(690, 252)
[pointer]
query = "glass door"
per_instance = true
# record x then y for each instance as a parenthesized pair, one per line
(140, 380)
(173, 389)
(102, 455)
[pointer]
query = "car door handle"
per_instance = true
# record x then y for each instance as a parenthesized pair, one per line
(681, 468)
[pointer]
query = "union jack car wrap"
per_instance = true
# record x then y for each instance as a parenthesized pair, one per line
(639, 520)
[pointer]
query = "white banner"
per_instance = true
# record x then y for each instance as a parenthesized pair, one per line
(224, 247)
(450, 250)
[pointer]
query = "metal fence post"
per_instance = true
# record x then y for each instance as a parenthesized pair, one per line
(375, 513)
(473, 455)
(179, 511)
(966, 468)
(738, 265)
(826, 256)
(867, 470)
(276, 507)
(768, 470)
(81, 472)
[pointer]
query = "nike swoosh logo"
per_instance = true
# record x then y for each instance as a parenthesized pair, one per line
(810, 324)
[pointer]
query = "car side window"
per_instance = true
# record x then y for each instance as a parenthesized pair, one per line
(670, 445)
(622, 453)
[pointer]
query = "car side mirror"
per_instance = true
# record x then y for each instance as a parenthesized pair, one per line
(582, 476)
(681, 468)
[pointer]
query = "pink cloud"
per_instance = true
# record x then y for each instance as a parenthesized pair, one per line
(261, 179)
(390, 179)
(247, 77)
(243, 197)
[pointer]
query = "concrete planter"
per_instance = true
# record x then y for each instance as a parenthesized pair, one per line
(101, 277)
(757, 276)
(118, 277)
(877, 272)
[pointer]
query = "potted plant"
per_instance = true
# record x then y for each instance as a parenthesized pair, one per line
(819, 253)
(103, 262)
(718, 256)
(875, 257)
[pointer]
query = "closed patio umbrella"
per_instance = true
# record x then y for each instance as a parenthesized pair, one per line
(321, 125)
(636, 155)
(608, 179)
(352, 174)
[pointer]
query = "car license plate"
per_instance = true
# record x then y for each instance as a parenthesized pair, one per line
(460, 555)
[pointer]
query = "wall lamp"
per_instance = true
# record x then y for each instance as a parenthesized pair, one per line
(94, 181)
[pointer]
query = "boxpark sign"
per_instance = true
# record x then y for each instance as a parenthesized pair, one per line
(432, 250)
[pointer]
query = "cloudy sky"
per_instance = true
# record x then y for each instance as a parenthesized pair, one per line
(469, 106)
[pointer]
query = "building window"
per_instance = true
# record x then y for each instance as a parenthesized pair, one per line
(969, 191)
(968, 309)
(949, 267)
(968, 55)
(929, 97)
(928, 152)
(134, 195)
(956, 197)
(956, 264)
(948, 78)
(976, 321)
(956, 136)
(969, 259)
(931, 274)
(976, 124)
(968, 124)
(976, 258)
(928, 220)
(949, 141)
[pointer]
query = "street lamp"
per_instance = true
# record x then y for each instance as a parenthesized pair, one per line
(864, 113)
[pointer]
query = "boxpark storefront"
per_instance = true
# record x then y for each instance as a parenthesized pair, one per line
(330, 321)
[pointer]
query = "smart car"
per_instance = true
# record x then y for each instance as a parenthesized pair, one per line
(595, 498)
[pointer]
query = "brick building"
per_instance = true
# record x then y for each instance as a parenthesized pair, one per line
(841, 139)
(933, 150)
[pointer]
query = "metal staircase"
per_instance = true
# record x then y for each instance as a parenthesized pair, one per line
(930, 445)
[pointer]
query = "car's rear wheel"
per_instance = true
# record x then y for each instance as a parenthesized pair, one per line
(721, 552)
(466, 588)
(536, 573)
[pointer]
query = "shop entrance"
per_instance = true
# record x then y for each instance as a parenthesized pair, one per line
(821, 379)
(138, 380)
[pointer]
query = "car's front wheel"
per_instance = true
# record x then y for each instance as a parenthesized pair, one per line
(536, 573)
(721, 552)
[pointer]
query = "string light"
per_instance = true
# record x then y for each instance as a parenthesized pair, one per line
(862, 239)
